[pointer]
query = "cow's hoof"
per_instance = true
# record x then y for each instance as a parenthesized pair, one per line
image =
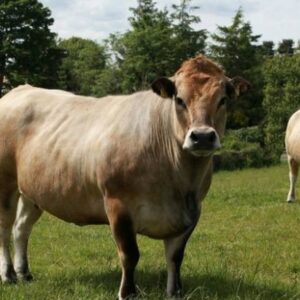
(7, 280)
(25, 277)
(290, 200)
(129, 297)
(174, 295)
(9, 277)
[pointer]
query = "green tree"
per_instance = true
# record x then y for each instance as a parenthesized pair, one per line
(81, 67)
(188, 41)
(146, 51)
(267, 49)
(28, 51)
(157, 43)
(282, 98)
(286, 47)
(234, 47)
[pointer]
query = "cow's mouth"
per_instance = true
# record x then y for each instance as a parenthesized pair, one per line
(203, 152)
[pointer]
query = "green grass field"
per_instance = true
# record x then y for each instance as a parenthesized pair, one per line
(246, 246)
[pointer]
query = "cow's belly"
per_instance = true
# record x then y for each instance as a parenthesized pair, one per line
(166, 218)
(81, 210)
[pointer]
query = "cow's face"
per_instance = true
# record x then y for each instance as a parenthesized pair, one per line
(200, 92)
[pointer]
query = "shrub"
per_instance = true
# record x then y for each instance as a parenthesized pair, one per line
(281, 100)
(241, 148)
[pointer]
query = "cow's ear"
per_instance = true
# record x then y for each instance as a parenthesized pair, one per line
(164, 87)
(240, 85)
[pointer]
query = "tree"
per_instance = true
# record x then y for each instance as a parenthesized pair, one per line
(282, 98)
(297, 49)
(286, 47)
(189, 41)
(156, 44)
(81, 67)
(267, 49)
(146, 51)
(28, 51)
(235, 49)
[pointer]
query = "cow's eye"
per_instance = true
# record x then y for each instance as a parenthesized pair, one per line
(180, 102)
(222, 102)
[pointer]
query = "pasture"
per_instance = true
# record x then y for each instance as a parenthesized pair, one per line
(246, 246)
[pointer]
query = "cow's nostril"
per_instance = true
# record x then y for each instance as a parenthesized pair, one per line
(212, 136)
(194, 137)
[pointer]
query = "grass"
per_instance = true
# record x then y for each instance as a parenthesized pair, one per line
(246, 246)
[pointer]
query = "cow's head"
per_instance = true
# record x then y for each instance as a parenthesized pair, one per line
(201, 93)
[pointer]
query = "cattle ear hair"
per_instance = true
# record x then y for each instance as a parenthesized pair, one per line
(164, 87)
(241, 85)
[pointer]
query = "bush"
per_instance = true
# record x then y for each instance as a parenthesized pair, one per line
(281, 100)
(241, 148)
(251, 156)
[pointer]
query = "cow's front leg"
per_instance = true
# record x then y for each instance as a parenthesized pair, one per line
(27, 215)
(174, 250)
(125, 237)
(293, 174)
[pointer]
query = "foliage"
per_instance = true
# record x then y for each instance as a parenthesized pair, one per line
(108, 82)
(146, 50)
(249, 155)
(187, 41)
(244, 247)
(28, 51)
(241, 148)
(252, 134)
(282, 98)
(267, 49)
(235, 49)
(286, 47)
(84, 62)
(155, 46)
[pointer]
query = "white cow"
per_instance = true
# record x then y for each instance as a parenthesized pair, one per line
(292, 145)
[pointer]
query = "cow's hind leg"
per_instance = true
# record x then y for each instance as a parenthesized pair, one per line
(27, 215)
(8, 203)
(293, 174)
(125, 237)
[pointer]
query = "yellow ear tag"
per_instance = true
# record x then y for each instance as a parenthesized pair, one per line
(163, 93)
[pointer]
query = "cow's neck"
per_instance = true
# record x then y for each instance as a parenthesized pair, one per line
(169, 149)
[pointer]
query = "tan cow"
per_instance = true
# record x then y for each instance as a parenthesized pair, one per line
(292, 145)
(141, 163)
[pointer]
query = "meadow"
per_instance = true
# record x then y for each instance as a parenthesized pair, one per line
(246, 246)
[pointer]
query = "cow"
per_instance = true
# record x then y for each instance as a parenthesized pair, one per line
(292, 145)
(141, 163)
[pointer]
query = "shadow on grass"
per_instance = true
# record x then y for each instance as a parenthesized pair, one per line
(151, 285)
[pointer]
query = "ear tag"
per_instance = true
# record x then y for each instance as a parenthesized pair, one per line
(163, 93)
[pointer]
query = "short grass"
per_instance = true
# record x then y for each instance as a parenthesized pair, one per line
(246, 246)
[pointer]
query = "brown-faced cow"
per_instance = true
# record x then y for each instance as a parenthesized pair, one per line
(141, 163)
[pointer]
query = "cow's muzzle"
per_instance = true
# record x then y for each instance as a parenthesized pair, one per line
(201, 141)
